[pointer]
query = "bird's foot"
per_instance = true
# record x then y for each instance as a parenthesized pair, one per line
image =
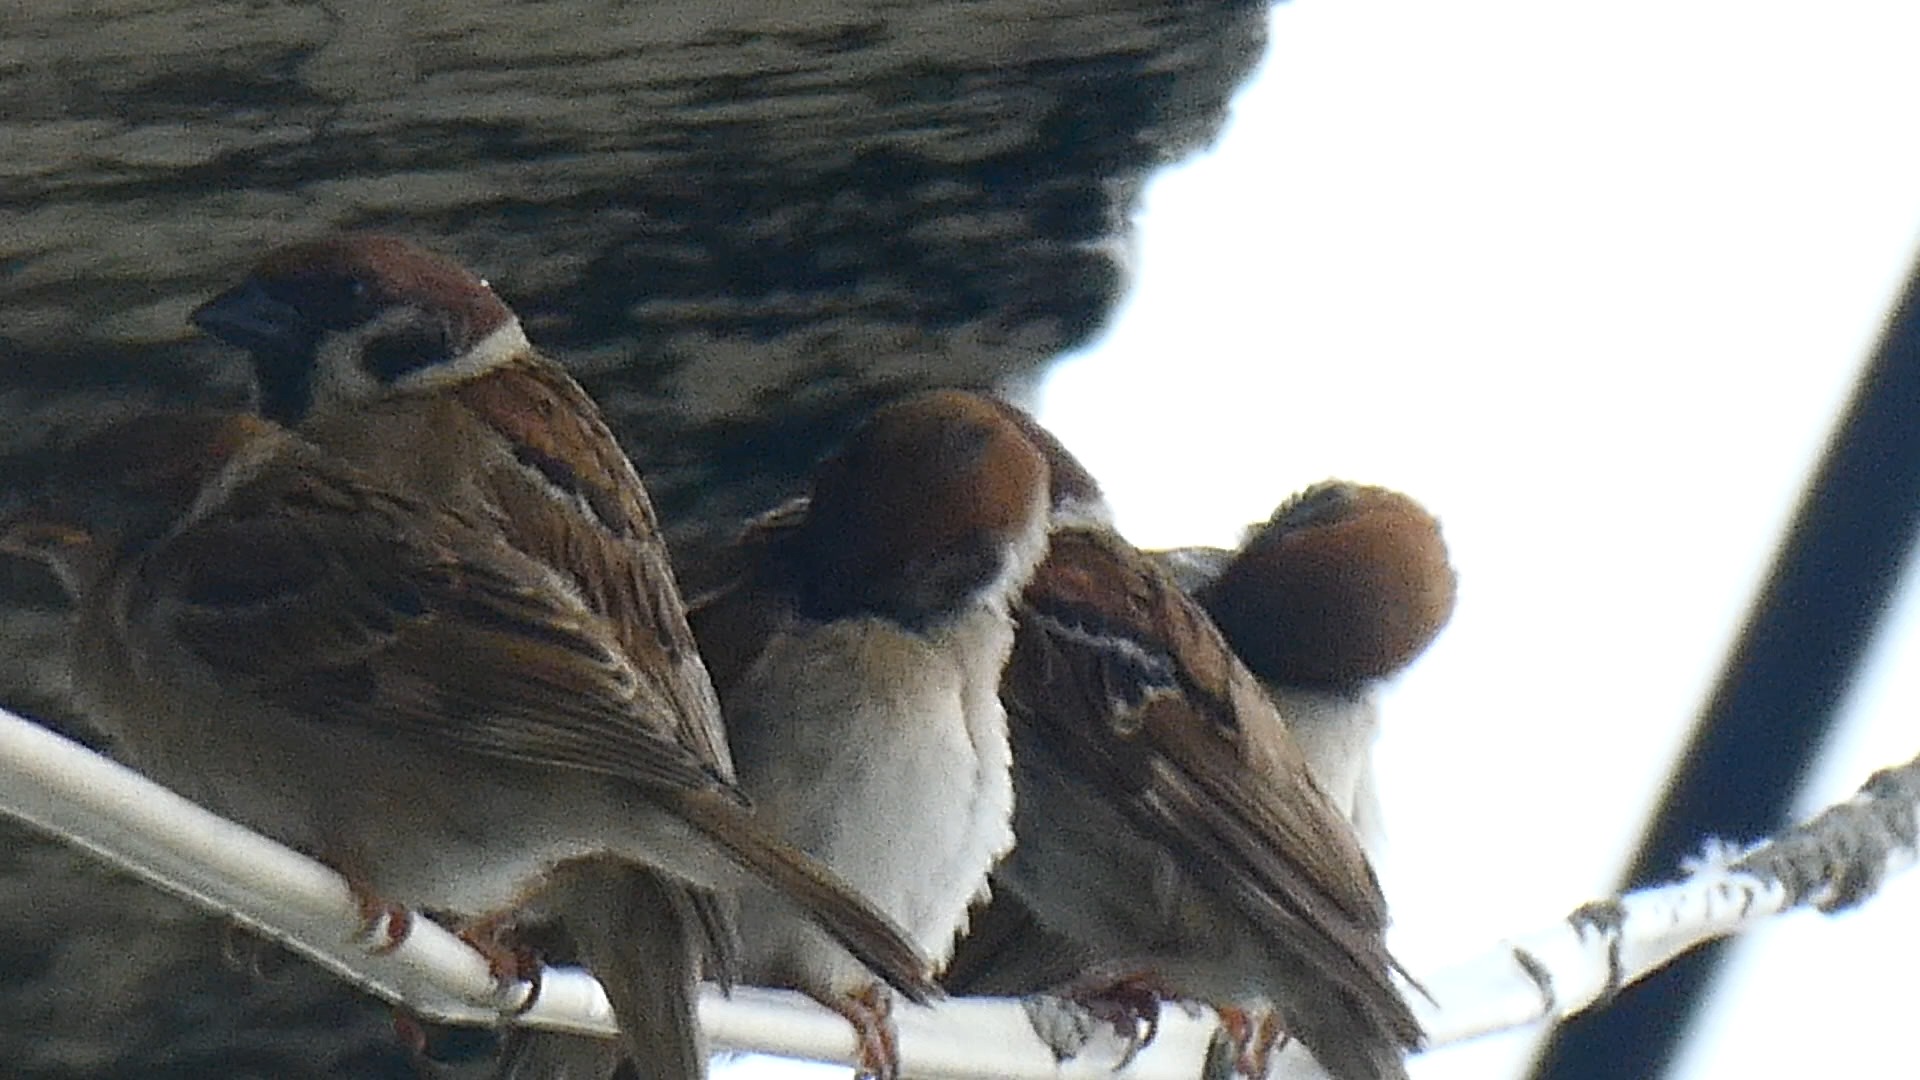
(1256, 1035)
(1128, 1004)
(1063, 1024)
(510, 961)
(870, 1011)
(384, 925)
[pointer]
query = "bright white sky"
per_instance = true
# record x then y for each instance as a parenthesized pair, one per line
(1593, 282)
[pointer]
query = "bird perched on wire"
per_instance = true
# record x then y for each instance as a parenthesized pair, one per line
(1170, 840)
(858, 657)
(409, 366)
(1342, 587)
(390, 685)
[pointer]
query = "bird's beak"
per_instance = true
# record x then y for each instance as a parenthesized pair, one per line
(247, 317)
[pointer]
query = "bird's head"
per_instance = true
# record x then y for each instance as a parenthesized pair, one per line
(336, 322)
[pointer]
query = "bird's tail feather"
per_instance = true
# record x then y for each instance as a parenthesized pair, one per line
(818, 893)
(645, 936)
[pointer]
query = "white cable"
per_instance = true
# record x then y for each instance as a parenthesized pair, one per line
(1836, 860)
(1839, 858)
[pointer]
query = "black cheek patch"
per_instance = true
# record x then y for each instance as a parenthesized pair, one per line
(918, 595)
(942, 584)
(285, 379)
(393, 355)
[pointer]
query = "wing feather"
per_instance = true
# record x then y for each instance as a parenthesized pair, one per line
(608, 542)
(1117, 672)
(348, 606)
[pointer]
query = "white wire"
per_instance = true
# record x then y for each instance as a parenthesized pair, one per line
(63, 788)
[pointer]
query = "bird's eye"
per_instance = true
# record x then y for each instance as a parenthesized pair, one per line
(350, 300)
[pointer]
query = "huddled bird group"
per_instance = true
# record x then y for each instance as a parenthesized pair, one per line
(944, 730)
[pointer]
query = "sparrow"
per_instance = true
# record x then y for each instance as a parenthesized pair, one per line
(858, 656)
(1170, 838)
(408, 365)
(1342, 587)
(391, 685)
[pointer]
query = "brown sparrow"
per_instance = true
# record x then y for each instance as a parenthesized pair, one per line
(389, 684)
(409, 366)
(1342, 587)
(858, 659)
(1170, 837)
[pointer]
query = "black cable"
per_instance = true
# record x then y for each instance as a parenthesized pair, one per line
(1785, 678)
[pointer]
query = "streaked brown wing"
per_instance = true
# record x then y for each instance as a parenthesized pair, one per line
(607, 540)
(1188, 748)
(351, 607)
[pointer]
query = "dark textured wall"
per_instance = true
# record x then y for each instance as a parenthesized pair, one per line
(741, 223)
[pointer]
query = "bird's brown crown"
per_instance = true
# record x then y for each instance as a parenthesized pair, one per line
(918, 512)
(349, 316)
(346, 278)
(1074, 495)
(1344, 584)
